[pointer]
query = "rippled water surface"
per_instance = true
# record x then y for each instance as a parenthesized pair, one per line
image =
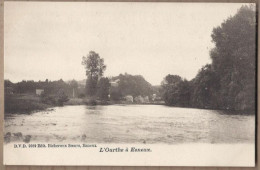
(132, 124)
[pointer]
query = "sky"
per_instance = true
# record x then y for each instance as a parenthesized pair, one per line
(47, 40)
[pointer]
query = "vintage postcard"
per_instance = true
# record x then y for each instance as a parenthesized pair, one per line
(129, 84)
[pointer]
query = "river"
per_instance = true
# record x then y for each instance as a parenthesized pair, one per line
(151, 124)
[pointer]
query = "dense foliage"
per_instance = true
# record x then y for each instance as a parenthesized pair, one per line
(103, 89)
(134, 85)
(22, 97)
(97, 87)
(50, 87)
(95, 68)
(229, 82)
(176, 91)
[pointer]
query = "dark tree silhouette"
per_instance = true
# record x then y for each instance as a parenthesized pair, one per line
(95, 68)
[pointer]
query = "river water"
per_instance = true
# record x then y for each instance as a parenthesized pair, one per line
(151, 124)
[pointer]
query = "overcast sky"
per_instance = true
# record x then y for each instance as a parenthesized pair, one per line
(48, 39)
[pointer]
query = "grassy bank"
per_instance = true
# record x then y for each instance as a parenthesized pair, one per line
(24, 103)
(28, 103)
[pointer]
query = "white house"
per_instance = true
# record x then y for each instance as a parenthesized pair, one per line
(114, 83)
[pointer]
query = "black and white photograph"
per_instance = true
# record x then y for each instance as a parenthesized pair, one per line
(130, 83)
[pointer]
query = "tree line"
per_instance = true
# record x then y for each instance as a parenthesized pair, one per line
(50, 87)
(229, 81)
(55, 92)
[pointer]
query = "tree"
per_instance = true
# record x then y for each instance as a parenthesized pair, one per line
(229, 82)
(176, 91)
(234, 58)
(171, 80)
(103, 89)
(170, 89)
(95, 68)
(184, 93)
(115, 94)
(134, 85)
(204, 89)
(74, 85)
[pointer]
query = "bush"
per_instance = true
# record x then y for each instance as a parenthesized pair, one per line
(16, 105)
(46, 99)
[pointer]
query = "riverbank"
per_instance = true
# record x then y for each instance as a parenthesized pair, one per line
(80, 101)
(30, 103)
(24, 104)
(224, 111)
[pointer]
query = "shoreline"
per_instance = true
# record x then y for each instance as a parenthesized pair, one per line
(23, 106)
(50, 108)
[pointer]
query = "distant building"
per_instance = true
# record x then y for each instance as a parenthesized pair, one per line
(114, 83)
(39, 92)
